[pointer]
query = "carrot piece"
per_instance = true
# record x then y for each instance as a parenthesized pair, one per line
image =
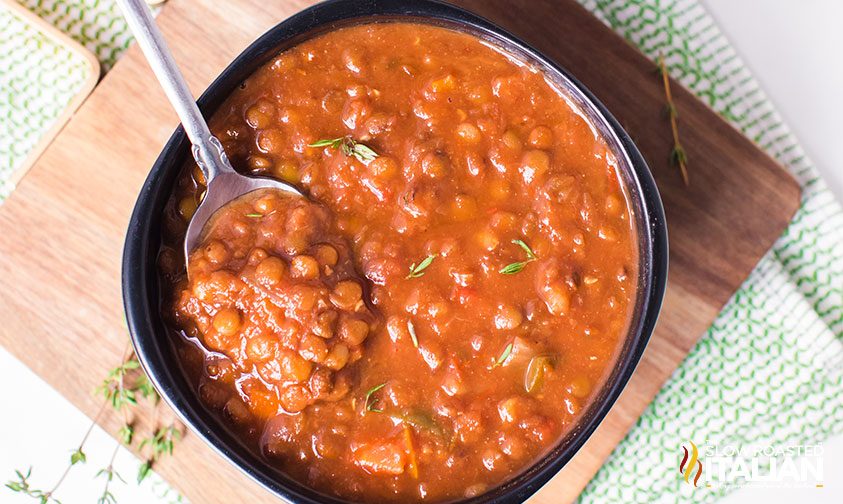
(381, 459)
(412, 462)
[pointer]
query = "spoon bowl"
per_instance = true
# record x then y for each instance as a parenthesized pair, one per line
(225, 186)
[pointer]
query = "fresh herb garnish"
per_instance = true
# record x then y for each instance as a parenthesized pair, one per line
(22, 485)
(423, 421)
(78, 456)
(109, 473)
(505, 355)
(412, 329)
(526, 248)
(418, 270)
(254, 215)
(516, 267)
(371, 404)
(122, 390)
(126, 434)
(349, 147)
(113, 388)
(362, 152)
(677, 155)
(334, 143)
(161, 443)
(511, 269)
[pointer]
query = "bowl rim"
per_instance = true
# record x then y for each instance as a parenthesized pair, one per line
(138, 269)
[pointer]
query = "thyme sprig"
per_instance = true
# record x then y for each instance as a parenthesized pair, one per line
(349, 147)
(678, 156)
(115, 392)
(109, 473)
(22, 486)
(516, 267)
(121, 389)
(160, 444)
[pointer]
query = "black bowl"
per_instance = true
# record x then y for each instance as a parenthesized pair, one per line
(140, 280)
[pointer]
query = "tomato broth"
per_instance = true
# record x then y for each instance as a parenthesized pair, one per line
(450, 297)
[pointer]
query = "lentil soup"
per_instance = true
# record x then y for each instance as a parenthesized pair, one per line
(452, 298)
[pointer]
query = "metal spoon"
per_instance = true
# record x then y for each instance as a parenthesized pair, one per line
(222, 182)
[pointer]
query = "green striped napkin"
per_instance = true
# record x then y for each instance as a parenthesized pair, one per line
(38, 80)
(96, 24)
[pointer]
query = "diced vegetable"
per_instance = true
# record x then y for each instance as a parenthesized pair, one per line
(412, 461)
(386, 458)
(536, 369)
(424, 422)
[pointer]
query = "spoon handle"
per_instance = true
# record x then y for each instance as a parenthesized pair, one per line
(207, 149)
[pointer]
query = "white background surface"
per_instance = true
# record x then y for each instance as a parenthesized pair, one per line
(794, 47)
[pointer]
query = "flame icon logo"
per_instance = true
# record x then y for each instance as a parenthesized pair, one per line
(686, 467)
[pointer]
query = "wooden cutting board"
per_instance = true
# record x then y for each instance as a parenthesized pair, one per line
(62, 230)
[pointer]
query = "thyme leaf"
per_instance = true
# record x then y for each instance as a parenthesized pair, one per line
(77, 457)
(126, 433)
(349, 147)
(362, 152)
(418, 270)
(371, 404)
(144, 470)
(23, 486)
(678, 155)
(513, 268)
(161, 443)
(334, 143)
(107, 497)
(526, 248)
(504, 355)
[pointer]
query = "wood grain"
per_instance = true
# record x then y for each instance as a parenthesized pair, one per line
(62, 230)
